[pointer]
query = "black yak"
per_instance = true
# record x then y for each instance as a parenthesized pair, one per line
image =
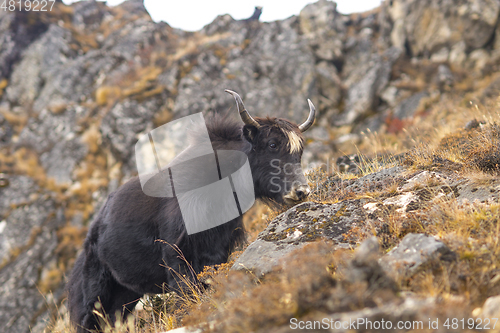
(255, 16)
(122, 258)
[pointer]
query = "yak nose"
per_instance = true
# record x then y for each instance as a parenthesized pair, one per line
(302, 191)
(298, 193)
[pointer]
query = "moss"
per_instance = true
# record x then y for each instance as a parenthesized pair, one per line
(273, 237)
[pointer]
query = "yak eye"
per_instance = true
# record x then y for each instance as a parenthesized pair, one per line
(273, 145)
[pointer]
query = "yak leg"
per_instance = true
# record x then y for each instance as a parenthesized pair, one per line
(123, 303)
(97, 288)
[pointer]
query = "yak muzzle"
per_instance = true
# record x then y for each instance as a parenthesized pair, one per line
(297, 194)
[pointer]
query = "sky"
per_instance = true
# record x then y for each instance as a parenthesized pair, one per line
(192, 15)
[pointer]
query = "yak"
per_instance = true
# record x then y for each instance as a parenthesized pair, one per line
(122, 258)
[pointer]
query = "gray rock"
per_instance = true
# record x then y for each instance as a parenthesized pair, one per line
(317, 154)
(373, 78)
(40, 62)
(469, 191)
(444, 77)
(480, 19)
(321, 16)
(491, 308)
(123, 124)
(292, 229)
(61, 148)
(62, 159)
(415, 252)
(261, 257)
(20, 299)
(73, 81)
(472, 124)
(410, 309)
(220, 24)
(185, 330)
(20, 191)
(429, 25)
(409, 106)
(16, 33)
(325, 30)
(377, 180)
(6, 131)
(28, 242)
(87, 15)
(330, 85)
(364, 267)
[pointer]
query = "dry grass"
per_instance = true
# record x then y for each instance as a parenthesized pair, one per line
(473, 232)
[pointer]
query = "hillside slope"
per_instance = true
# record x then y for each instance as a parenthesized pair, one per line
(79, 84)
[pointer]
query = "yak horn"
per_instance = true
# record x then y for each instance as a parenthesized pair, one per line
(310, 120)
(245, 116)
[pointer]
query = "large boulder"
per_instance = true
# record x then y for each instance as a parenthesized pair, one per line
(429, 25)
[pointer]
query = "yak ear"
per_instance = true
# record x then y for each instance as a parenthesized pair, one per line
(250, 132)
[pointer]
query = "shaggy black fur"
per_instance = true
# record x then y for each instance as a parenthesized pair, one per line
(122, 258)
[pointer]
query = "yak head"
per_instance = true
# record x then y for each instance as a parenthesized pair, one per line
(277, 146)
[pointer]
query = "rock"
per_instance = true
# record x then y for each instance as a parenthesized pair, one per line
(40, 62)
(441, 55)
(124, 123)
(362, 94)
(389, 95)
(480, 19)
(491, 308)
(20, 190)
(261, 257)
(87, 15)
(408, 107)
(296, 227)
(365, 267)
(22, 224)
(321, 16)
(28, 242)
(317, 154)
(377, 180)
(470, 192)
(220, 24)
(61, 149)
(425, 179)
(478, 59)
(17, 30)
(317, 133)
(21, 302)
(408, 310)
(458, 54)
(184, 330)
(415, 252)
(492, 90)
(6, 131)
(444, 77)
(325, 29)
(430, 25)
(330, 85)
(472, 124)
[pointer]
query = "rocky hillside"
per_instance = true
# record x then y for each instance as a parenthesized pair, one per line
(79, 84)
